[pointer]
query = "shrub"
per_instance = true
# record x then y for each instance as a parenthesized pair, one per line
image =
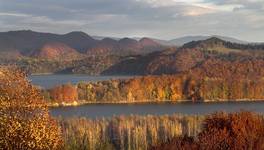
(221, 131)
(241, 130)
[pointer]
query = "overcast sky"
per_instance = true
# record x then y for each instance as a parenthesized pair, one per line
(165, 19)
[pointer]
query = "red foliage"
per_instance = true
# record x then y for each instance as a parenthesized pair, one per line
(64, 93)
(221, 131)
(178, 143)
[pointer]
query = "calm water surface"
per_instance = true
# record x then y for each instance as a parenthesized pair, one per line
(108, 110)
(50, 80)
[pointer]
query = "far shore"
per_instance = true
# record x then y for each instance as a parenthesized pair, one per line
(83, 102)
(37, 74)
(83, 74)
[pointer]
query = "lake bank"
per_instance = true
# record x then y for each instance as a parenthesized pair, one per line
(188, 108)
(83, 102)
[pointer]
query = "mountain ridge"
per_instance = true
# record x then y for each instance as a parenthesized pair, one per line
(26, 41)
(77, 52)
(185, 39)
(190, 55)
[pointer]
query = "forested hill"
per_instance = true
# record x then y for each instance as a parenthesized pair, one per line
(77, 52)
(74, 52)
(214, 43)
(211, 54)
(27, 42)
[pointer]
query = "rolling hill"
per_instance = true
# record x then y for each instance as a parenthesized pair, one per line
(186, 39)
(77, 52)
(191, 55)
(27, 42)
(56, 51)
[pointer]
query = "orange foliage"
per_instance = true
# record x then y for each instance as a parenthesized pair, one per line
(173, 88)
(243, 130)
(181, 143)
(221, 131)
(24, 118)
(64, 93)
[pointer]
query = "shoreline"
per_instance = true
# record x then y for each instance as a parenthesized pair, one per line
(83, 74)
(38, 74)
(83, 102)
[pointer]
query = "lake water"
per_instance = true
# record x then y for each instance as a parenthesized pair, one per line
(108, 110)
(50, 80)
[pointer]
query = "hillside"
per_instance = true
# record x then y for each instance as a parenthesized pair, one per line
(124, 47)
(186, 39)
(74, 52)
(27, 41)
(77, 52)
(216, 44)
(165, 62)
(56, 51)
(187, 57)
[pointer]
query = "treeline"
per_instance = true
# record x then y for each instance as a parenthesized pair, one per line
(159, 88)
(139, 89)
(127, 133)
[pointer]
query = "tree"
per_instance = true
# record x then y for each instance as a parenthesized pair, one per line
(221, 131)
(64, 93)
(24, 118)
(241, 130)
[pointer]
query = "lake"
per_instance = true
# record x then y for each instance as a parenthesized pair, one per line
(50, 80)
(108, 110)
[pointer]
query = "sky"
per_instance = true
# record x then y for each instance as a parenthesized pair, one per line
(163, 19)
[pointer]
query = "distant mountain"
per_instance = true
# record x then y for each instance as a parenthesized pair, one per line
(219, 45)
(78, 40)
(74, 52)
(56, 51)
(77, 52)
(164, 42)
(148, 42)
(125, 46)
(182, 40)
(27, 42)
(104, 46)
(190, 55)
(186, 39)
(103, 37)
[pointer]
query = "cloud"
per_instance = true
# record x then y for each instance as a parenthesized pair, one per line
(159, 18)
(13, 14)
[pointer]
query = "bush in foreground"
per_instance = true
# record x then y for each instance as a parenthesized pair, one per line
(24, 119)
(222, 131)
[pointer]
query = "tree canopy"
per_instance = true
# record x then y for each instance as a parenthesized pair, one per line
(24, 118)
